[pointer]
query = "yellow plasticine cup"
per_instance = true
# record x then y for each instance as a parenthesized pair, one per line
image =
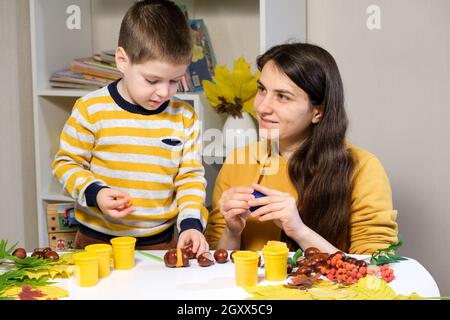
(86, 268)
(246, 268)
(104, 258)
(275, 262)
(123, 252)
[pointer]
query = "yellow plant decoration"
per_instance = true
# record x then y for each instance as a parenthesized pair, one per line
(233, 91)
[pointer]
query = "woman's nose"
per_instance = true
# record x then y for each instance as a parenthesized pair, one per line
(263, 105)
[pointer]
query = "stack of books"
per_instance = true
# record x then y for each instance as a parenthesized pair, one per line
(98, 71)
(87, 73)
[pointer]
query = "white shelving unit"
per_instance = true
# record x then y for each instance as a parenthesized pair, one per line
(236, 28)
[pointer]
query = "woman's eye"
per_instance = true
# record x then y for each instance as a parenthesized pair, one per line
(152, 81)
(261, 89)
(283, 97)
(174, 81)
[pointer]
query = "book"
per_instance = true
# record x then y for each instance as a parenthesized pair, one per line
(203, 60)
(91, 67)
(67, 75)
(70, 85)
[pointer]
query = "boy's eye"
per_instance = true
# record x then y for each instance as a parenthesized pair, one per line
(261, 89)
(174, 81)
(152, 81)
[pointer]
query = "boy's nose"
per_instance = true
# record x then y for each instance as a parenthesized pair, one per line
(162, 91)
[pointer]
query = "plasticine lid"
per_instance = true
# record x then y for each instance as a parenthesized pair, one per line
(245, 255)
(274, 250)
(123, 241)
(100, 247)
(85, 257)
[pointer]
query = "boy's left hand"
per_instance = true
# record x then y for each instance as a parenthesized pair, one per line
(194, 237)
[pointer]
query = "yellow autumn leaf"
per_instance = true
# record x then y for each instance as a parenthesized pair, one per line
(248, 107)
(372, 288)
(232, 91)
(54, 271)
(368, 288)
(212, 92)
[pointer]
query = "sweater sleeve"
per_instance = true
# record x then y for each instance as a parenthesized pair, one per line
(216, 222)
(72, 161)
(190, 182)
(372, 219)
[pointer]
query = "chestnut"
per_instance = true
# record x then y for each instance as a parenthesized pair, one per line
(38, 254)
(289, 268)
(304, 270)
(189, 252)
(350, 260)
(360, 263)
(221, 255)
(231, 255)
(309, 252)
(20, 253)
(51, 255)
(205, 259)
(319, 257)
(176, 258)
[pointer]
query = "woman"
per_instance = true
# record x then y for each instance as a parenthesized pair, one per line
(325, 192)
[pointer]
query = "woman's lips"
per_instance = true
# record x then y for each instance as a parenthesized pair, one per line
(267, 123)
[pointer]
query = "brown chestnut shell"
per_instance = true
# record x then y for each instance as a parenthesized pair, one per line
(205, 259)
(221, 255)
(20, 253)
(171, 258)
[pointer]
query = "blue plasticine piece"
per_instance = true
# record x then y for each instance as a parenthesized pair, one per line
(257, 195)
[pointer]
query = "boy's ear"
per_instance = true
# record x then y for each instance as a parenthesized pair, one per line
(317, 115)
(121, 59)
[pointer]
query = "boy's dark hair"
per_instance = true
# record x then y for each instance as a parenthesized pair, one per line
(156, 29)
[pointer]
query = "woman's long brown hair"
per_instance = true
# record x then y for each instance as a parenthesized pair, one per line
(321, 169)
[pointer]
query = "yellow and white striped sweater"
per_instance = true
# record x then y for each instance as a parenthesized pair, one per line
(153, 156)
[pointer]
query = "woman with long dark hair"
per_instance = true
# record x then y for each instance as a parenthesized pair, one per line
(320, 190)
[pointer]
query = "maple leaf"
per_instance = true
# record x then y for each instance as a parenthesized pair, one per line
(29, 294)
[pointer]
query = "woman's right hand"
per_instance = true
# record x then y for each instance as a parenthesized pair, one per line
(235, 209)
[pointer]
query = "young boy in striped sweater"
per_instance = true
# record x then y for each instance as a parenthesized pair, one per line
(130, 152)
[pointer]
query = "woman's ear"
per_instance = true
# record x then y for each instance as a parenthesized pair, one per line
(121, 59)
(317, 115)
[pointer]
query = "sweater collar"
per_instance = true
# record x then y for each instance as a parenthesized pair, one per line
(130, 107)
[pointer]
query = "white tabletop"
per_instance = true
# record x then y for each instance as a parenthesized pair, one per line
(152, 280)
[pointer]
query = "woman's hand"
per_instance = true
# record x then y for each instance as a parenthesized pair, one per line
(114, 203)
(279, 207)
(233, 204)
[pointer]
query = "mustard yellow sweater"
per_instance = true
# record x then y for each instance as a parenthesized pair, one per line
(372, 218)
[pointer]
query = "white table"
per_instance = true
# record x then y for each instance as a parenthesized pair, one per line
(152, 280)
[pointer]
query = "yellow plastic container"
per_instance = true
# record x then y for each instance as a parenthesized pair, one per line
(86, 268)
(246, 268)
(275, 262)
(104, 252)
(123, 252)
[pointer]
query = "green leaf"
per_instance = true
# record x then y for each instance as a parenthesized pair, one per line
(294, 258)
(6, 253)
(151, 256)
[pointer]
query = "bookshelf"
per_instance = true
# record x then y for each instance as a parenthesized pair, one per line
(236, 28)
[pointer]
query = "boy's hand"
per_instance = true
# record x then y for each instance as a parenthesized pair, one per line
(114, 203)
(194, 237)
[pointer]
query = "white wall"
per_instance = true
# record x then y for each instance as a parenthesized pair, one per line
(397, 82)
(17, 184)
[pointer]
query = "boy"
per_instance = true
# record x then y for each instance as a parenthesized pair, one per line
(130, 153)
